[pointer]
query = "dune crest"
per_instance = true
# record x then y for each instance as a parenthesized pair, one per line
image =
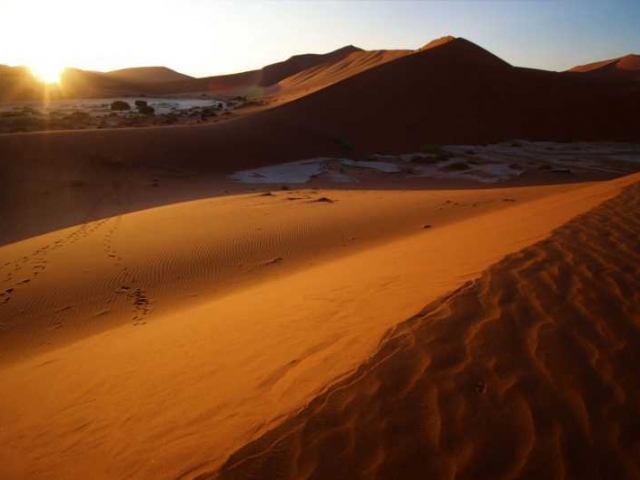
(437, 42)
(623, 68)
(528, 372)
(175, 390)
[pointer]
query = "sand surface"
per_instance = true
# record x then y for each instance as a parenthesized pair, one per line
(530, 371)
(154, 344)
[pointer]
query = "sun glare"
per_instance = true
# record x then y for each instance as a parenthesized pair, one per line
(47, 73)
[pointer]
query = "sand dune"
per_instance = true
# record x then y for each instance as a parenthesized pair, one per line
(528, 372)
(321, 76)
(272, 74)
(168, 343)
(254, 82)
(18, 84)
(460, 93)
(623, 68)
(148, 75)
(238, 240)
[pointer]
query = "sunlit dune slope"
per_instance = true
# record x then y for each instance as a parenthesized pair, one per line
(528, 372)
(624, 68)
(316, 78)
(90, 270)
(254, 82)
(156, 344)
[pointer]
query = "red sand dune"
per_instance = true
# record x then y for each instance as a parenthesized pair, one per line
(460, 93)
(272, 74)
(455, 93)
(253, 82)
(148, 75)
(215, 344)
(84, 83)
(13, 85)
(528, 372)
(231, 84)
(321, 76)
(17, 84)
(622, 68)
(437, 42)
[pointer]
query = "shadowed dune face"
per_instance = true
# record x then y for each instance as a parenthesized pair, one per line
(460, 93)
(57, 179)
(455, 93)
(17, 84)
(529, 372)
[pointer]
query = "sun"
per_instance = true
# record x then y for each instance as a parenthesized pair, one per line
(47, 72)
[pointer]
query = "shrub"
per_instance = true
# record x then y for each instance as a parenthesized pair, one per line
(120, 105)
(208, 112)
(146, 110)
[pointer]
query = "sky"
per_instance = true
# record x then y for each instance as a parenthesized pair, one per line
(210, 37)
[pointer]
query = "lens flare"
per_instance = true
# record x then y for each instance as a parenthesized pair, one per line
(47, 73)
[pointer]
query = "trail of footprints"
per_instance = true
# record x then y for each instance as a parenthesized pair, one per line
(21, 272)
(137, 295)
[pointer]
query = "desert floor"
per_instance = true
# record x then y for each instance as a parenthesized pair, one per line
(184, 338)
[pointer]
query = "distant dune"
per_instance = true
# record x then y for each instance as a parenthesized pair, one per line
(148, 75)
(622, 68)
(254, 82)
(233, 84)
(16, 83)
(437, 42)
(283, 81)
(325, 74)
(272, 74)
(460, 93)
(455, 93)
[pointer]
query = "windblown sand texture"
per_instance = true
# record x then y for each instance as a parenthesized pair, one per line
(531, 371)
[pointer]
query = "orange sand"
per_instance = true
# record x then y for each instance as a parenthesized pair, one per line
(291, 295)
(531, 371)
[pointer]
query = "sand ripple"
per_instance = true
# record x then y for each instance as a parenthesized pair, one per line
(529, 372)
